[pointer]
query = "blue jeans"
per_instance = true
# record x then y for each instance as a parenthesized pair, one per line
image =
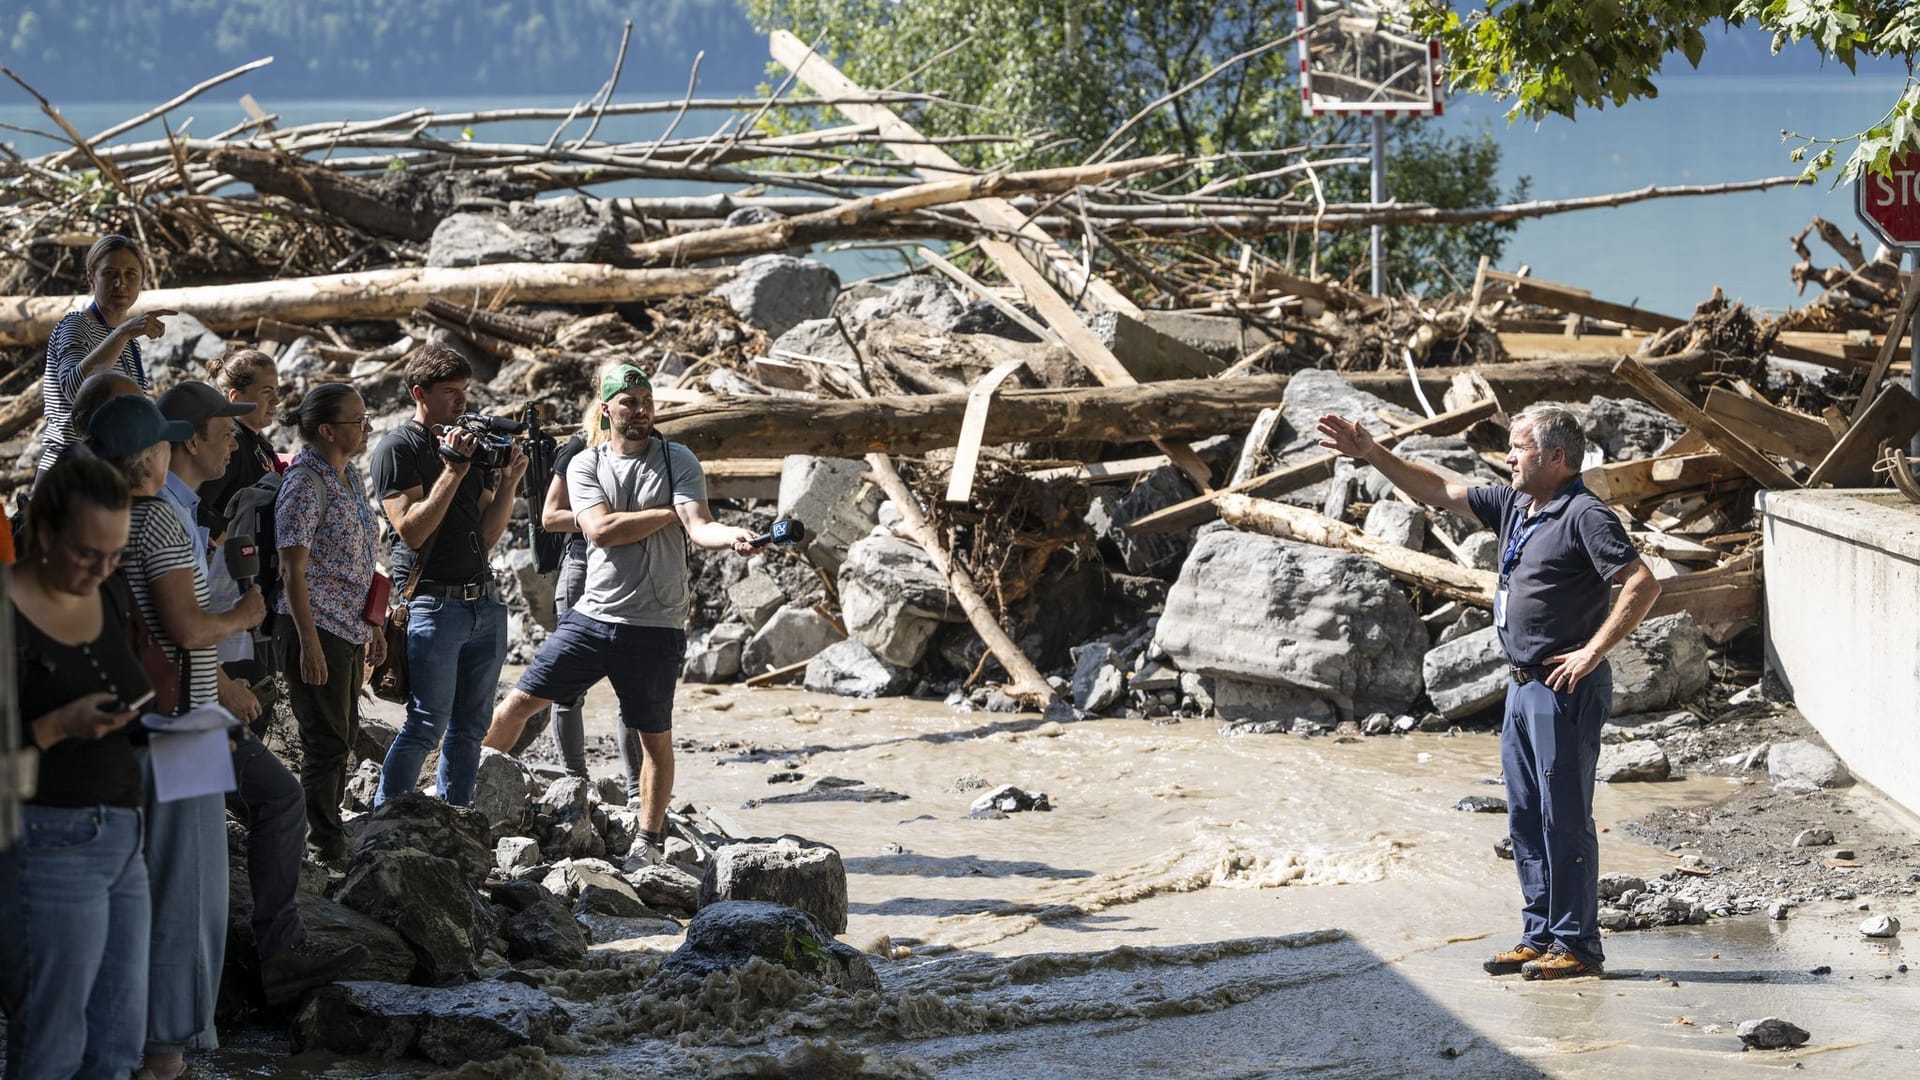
(187, 871)
(1549, 749)
(73, 944)
(454, 652)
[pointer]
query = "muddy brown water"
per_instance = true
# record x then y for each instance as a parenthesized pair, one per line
(1198, 906)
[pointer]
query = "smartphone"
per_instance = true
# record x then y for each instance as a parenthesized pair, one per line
(138, 702)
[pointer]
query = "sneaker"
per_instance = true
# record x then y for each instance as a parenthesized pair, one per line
(1558, 964)
(1511, 961)
(292, 972)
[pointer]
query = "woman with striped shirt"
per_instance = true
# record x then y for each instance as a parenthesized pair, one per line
(98, 337)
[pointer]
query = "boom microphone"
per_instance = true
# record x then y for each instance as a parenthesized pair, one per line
(785, 532)
(243, 561)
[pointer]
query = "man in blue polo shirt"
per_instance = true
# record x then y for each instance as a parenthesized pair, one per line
(1562, 551)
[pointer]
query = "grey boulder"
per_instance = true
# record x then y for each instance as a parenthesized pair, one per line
(1640, 759)
(1260, 610)
(1466, 674)
(1804, 766)
(778, 292)
(1663, 663)
(430, 904)
(893, 598)
(792, 635)
(502, 792)
(797, 873)
(1097, 681)
(476, 1022)
(426, 824)
(850, 669)
(729, 934)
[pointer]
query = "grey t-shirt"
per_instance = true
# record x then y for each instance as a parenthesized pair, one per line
(642, 583)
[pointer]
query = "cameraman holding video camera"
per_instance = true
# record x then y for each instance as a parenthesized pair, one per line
(448, 513)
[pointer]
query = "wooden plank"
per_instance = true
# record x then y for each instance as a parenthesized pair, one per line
(1769, 427)
(934, 163)
(1566, 298)
(1674, 404)
(743, 478)
(1101, 472)
(1198, 511)
(1909, 299)
(1627, 482)
(1430, 572)
(966, 455)
(1893, 417)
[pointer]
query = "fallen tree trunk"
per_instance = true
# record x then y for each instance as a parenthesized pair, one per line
(374, 294)
(1439, 576)
(1178, 408)
(349, 198)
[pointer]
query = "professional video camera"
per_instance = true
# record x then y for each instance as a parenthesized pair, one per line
(494, 434)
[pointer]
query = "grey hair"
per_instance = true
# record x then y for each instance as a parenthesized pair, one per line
(1556, 428)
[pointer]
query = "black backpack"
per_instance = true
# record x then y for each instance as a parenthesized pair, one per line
(250, 513)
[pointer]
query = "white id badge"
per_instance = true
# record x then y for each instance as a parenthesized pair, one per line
(1500, 606)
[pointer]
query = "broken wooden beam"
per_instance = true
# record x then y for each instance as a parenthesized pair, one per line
(1627, 482)
(375, 294)
(1793, 435)
(1566, 298)
(1909, 300)
(1200, 510)
(1893, 418)
(1439, 576)
(1675, 404)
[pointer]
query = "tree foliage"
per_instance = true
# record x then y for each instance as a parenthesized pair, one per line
(1072, 73)
(1558, 56)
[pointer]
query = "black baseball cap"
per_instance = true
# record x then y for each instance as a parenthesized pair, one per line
(196, 403)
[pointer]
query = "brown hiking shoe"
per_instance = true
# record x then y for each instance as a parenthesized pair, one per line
(1511, 961)
(1558, 964)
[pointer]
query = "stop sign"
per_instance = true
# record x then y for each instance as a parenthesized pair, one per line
(1890, 205)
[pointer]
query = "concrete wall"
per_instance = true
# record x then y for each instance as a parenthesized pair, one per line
(1843, 625)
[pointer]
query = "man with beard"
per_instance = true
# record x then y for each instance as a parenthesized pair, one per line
(638, 499)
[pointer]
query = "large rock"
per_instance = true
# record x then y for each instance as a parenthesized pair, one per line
(1804, 766)
(428, 901)
(1466, 674)
(1097, 680)
(716, 657)
(730, 933)
(476, 1022)
(893, 598)
(798, 873)
(566, 813)
(1248, 708)
(1109, 511)
(571, 878)
(187, 342)
(667, 888)
(829, 496)
(570, 229)
(1397, 523)
(545, 931)
(850, 669)
(756, 597)
(1663, 663)
(1262, 610)
(793, 634)
(1627, 429)
(1772, 1033)
(778, 292)
(503, 792)
(1626, 762)
(424, 823)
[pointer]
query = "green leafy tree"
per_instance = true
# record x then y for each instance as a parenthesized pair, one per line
(1073, 72)
(1558, 56)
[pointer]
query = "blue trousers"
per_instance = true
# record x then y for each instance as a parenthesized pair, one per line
(187, 871)
(454, 652)
(73, 944)
(1549, 748)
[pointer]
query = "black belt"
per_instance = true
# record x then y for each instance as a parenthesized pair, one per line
(1526, 673)
(472, 590)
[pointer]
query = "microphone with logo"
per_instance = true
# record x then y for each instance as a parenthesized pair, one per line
(243, 561)
(786, 532)
(243, 566)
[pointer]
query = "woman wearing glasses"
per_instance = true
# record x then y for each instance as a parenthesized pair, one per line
(326, 532)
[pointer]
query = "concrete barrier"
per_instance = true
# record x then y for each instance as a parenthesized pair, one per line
(1843, 625)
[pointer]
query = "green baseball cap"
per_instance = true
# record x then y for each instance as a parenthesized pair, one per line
(623, 377)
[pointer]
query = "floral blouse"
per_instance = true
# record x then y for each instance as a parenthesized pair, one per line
(339, 540)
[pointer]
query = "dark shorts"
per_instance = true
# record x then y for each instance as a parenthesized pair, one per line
(642, 662)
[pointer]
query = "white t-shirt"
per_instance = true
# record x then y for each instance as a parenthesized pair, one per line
(643, 583)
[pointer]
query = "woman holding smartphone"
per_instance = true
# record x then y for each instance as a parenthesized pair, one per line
(74, 908)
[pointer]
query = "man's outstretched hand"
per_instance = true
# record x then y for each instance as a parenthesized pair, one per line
(1346, 436)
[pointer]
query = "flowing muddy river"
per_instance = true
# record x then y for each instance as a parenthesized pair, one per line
(1196, 906)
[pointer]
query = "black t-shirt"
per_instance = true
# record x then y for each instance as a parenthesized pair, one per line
(81, 772)
(576, 541)
(251, 460)
(406, 458)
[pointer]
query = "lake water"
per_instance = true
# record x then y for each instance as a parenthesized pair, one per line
(1666, 255)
